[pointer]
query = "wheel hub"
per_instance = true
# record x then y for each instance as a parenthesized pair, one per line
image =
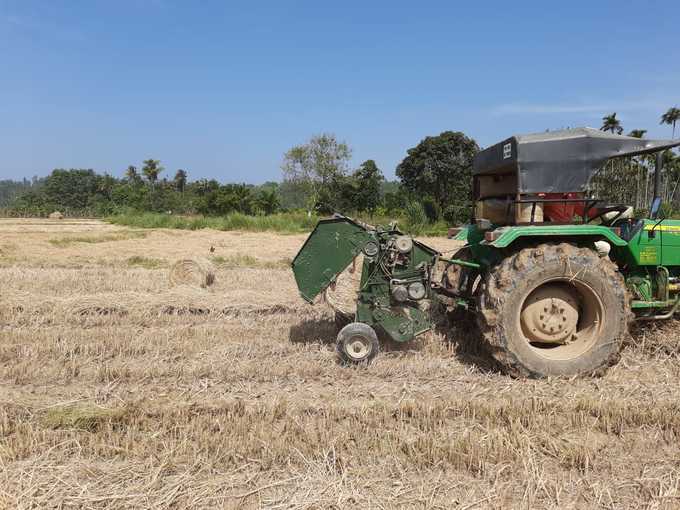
(550, 315)
(358, 347)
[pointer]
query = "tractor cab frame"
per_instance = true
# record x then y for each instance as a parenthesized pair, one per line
(529, 179)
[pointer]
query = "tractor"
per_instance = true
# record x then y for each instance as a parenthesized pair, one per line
(553, 276)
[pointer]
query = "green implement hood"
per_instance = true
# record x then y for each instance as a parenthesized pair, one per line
(328, 250)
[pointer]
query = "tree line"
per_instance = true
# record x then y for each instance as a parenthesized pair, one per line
(434, 183)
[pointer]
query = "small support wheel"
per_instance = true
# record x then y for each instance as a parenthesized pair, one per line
(357, 343)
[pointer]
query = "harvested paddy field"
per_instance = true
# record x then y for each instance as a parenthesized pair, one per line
(118, 390)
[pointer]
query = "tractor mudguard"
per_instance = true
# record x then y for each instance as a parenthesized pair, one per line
(505, 236)
(328, 250)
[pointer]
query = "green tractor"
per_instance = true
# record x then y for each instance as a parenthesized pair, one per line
(553, 276)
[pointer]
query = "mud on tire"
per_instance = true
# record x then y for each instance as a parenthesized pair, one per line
(601, 303)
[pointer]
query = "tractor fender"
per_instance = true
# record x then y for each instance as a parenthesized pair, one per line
(505, 236)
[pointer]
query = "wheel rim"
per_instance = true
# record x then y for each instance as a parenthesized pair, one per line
(561, 320)
(357, 347)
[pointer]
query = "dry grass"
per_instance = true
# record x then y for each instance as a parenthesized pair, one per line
(119, 391)
(63, 242)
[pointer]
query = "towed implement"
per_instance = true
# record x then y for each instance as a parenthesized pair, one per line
(553, 275)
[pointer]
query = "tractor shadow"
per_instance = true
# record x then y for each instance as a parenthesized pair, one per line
(458, 331)
(321, 330)
(463, 338)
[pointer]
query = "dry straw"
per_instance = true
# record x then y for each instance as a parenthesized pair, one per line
(96, 306)
(193, 272)
(341, 296)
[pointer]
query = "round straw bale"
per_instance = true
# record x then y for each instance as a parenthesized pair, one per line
(342, 295)
(56, 215)
(192, 272)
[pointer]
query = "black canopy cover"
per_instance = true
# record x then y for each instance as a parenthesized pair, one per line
(560, 161)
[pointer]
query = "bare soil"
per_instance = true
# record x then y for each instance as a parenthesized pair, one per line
(118, 390)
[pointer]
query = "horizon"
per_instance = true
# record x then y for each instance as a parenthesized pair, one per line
(224, 91)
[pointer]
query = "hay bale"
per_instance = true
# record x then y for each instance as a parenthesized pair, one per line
(342, 296)
(192, 272)
(56, 215)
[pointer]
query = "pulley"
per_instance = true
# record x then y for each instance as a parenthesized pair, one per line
(404, 244)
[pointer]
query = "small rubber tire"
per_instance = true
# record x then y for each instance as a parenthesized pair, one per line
(357, 343)
(510, 283)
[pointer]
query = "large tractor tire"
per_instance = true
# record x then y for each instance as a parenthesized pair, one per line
(554, 310)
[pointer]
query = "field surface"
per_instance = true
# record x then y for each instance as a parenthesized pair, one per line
(120, 391)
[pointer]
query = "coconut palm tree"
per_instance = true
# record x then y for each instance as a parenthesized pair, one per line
(180, 180)
(612, 124)
(131, 173)
(671, 117)
(638, 133)
(151, 169)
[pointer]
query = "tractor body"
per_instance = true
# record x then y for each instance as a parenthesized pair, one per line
(553, 275)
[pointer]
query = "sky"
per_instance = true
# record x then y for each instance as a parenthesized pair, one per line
(223, 89)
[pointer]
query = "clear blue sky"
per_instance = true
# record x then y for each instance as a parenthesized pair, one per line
(222, 89)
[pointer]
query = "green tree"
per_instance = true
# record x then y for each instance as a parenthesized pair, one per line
(132, 175)
(671, 117)
(612, 124)
(10, 190)
(203, 187)
(32, 202)
(180, 180)
(73, 189)
(292, 195)
(441, 167)
(151, 170)
(367, 179)
(638, 133)
(267, 200)
(316, 164)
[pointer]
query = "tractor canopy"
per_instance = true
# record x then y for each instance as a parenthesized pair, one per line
(559, 161)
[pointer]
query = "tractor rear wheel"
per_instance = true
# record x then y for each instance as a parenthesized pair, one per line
(554, 310)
